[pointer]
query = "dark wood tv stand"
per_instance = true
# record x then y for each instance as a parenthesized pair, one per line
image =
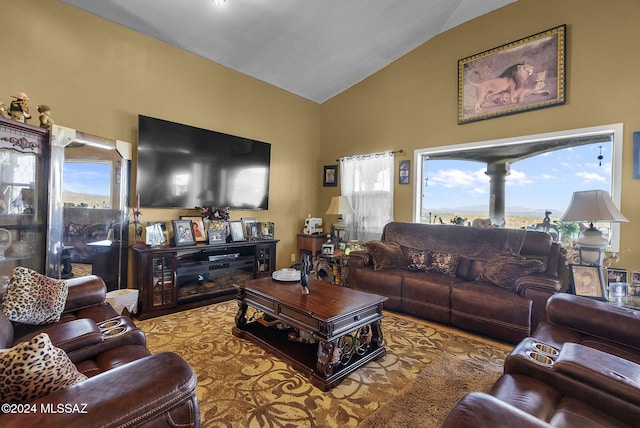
(171, 279)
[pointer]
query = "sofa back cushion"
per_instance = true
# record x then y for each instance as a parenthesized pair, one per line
(386, 255)
(475, 246)
(470, 269)
(470, 242)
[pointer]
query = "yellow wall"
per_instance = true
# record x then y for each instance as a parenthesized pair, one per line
(412, 103)
(97, 77)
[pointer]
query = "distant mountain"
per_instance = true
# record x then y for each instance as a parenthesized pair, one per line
(481, 210)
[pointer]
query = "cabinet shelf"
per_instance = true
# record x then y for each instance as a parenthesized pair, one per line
(176, 278)
(23, 195)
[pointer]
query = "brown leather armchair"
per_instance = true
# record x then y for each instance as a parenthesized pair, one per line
(579, 387)
(155, 391)
(126, 386)
(79, 332)
(595, 324)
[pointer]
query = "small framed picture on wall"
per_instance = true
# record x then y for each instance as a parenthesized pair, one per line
(403, 175)
(330, 177)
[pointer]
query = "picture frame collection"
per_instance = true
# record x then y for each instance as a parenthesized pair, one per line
(190, 230)
(603, 284)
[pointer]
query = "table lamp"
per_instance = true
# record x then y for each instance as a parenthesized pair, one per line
(339, 206)
(592, 206)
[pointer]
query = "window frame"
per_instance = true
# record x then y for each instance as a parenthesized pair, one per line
(614, 130)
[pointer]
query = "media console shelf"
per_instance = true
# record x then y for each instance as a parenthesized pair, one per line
(171, 279)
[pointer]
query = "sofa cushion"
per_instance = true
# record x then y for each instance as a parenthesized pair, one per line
(418, 259)
(444, 263)
(32, 298)
(386, 255)
(505, 268)
(34, 369)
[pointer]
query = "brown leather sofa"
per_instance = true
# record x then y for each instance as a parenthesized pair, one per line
(465, 300)
(126, 384)
(571, 373)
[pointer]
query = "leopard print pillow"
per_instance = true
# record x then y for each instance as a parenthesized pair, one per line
(33, 369)
(32, 298)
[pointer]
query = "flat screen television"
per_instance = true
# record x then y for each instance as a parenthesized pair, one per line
(181, 166)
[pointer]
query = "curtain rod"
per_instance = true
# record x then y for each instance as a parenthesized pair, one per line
(370, 154)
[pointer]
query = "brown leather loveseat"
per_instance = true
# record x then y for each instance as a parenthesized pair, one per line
(125, 386)
(579, 369)
(524, 263)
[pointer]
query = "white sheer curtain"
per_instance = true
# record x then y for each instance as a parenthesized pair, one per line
(367, 181)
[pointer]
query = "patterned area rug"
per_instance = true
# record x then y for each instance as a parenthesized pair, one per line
(241, 385)
(427, 400)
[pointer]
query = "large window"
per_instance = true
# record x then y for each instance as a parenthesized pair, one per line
(539, 173)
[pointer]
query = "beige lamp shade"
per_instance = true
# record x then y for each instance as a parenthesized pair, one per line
(591, 206)
(339, 206)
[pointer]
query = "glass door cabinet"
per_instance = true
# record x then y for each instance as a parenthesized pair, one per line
(88, 207)
(24, 151)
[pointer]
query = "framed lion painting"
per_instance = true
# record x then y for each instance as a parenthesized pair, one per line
(523, 75)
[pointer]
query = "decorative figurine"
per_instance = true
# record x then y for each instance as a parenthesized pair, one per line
(19, 109)
(45, 116)
(304, 273)
(4, 110)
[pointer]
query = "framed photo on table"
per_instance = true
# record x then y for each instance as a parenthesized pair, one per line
(616, 275)
(237, 231)
(183, 232)
(199, 232)
(587, 281)
(216, 236)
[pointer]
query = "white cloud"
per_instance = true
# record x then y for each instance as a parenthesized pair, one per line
(518, 178)
(451, 178)
(590, 177)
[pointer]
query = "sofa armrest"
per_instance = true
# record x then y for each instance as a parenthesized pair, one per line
(121, 396)
(85, 291)
(594, 318)
(479, 410)
(540, 282)
(359, 259)
(69, 336)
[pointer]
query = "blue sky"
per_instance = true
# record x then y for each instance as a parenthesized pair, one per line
(542, 182)
(89, 178)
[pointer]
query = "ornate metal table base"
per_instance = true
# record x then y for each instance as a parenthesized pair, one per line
(348, 334)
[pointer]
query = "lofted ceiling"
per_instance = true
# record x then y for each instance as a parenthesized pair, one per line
(312, 48)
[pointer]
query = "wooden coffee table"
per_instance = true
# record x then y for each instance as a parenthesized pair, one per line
(345, 325)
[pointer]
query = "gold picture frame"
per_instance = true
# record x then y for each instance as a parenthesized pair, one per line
(523, 75)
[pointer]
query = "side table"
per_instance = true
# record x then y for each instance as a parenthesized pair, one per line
(333, 269)
(310, 244)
